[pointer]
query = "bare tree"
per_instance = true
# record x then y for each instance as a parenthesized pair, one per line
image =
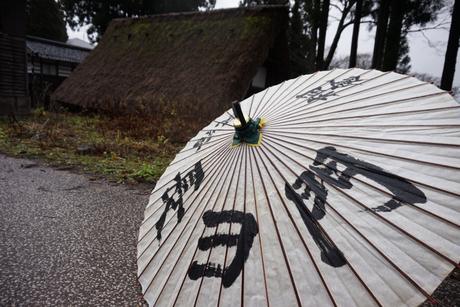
(343, 23)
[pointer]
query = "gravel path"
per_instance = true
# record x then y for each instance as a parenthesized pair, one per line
(66, 239)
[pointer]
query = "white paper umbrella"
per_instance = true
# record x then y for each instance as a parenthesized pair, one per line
(351, 198)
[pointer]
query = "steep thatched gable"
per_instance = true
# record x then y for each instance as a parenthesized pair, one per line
(192, 64)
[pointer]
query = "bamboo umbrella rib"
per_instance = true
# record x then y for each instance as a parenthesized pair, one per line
(250, 104)
(244, 212)
(260, 234)
(230, 227)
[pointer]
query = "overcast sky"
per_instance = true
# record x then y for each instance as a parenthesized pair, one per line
(427, 49)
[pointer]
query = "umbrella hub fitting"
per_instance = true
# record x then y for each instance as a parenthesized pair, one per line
(247, 130)
(249, 133)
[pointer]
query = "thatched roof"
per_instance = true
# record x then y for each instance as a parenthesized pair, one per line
(194, 64)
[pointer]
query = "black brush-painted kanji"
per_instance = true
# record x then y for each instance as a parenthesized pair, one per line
(174, 201)
(243, 242)
(325, 167)
(403, 191)
(209, 134)
(330, 254)
(322, 93)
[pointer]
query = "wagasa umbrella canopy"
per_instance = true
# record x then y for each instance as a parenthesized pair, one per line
(339, 188)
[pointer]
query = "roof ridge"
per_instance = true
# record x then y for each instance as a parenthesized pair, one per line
(257, 8)
(53, 42)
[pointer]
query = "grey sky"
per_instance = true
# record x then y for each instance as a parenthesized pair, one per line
(427, 49)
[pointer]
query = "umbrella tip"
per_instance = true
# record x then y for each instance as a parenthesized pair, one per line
(239, 113)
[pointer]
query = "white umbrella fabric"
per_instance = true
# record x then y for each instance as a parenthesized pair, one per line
(350, 197)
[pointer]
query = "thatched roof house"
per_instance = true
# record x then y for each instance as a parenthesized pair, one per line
(192, 64)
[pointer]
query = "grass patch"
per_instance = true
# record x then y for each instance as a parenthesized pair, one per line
(123, 149)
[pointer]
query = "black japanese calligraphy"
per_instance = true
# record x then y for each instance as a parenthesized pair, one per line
(208, 135)
(316, 94)
(323, 92)
(243, 242)
(172, 196)
(330, 254)
(343, 83)
(325, 167)
(203, 139)
(403, 192)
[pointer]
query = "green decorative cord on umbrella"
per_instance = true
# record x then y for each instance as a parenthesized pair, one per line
(247, 130)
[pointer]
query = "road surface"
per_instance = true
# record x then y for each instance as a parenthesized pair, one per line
(66, 239)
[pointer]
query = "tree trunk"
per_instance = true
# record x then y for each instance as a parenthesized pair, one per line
(315, 16)
(392, 44)
(452, 49)
(322, 34)
(354, 38)
(380, 34)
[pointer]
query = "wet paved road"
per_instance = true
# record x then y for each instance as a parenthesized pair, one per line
(65, 239)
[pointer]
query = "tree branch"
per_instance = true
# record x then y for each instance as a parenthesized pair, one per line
(439, 26)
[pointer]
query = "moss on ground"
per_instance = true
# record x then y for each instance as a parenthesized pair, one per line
(122, 149)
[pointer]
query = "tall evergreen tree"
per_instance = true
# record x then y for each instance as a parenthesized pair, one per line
(452, 49)
(393, 38)
(355, 36)
(324, 14)
(45, 19)
(380, 34)
(390, 47)
(99, 13)
(299, 43)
